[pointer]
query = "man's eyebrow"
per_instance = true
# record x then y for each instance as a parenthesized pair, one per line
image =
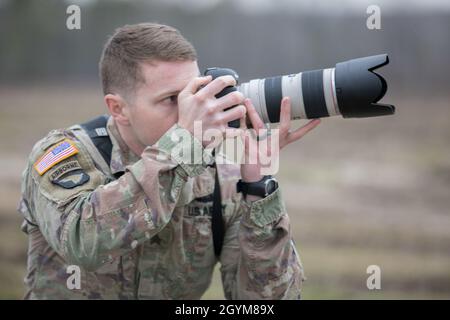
(167, 94)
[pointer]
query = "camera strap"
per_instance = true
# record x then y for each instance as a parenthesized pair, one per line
(217, 224)
(96, 130)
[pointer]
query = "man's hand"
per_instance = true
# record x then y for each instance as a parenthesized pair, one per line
(252, 172)
(197, 103)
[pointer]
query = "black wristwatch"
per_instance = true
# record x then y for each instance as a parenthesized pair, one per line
(262, 188)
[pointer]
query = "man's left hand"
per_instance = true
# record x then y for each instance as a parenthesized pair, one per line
(251, 172)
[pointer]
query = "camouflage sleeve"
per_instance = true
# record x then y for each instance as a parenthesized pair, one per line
(259, 259)
(93, 223)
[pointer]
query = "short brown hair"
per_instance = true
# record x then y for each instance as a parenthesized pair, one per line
(134, 44)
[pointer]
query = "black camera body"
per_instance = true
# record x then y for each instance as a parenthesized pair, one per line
(216, 72)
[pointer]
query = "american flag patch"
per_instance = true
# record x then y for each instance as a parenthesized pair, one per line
(58, 153)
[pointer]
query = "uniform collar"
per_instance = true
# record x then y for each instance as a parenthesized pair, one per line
(121, 154)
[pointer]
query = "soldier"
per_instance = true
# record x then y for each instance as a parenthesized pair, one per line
(132, 216)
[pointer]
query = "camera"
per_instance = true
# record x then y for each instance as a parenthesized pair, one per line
(351, 89)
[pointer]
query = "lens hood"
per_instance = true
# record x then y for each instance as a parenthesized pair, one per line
(359, 88)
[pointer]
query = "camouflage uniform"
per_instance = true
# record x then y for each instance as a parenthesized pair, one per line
(147, 235)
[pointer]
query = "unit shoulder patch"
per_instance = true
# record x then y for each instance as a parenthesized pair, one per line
(72, 179)
(68, 174)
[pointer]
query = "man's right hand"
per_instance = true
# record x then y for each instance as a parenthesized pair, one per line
(197, 102)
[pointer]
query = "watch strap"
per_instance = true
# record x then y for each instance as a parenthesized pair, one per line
(256, 188)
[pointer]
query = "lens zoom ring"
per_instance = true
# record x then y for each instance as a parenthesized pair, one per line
(273, 95)
(312, 87)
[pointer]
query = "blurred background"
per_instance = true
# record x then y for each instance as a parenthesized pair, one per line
(359, 192)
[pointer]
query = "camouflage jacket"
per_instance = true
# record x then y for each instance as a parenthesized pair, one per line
(146, 235)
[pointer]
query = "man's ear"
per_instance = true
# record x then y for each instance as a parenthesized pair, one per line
(118, 108)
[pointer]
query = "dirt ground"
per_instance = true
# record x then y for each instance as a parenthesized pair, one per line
(359, 192)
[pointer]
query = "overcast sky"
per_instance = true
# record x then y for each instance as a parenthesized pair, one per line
(330, 6)
(293, 6)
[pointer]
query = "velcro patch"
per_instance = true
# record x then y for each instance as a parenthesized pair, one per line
(72, 179)
(55, 155)
(64, 168)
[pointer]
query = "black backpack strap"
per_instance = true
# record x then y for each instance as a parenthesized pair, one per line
(96, 130)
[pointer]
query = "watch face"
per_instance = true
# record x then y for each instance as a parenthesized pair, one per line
(271, 186)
